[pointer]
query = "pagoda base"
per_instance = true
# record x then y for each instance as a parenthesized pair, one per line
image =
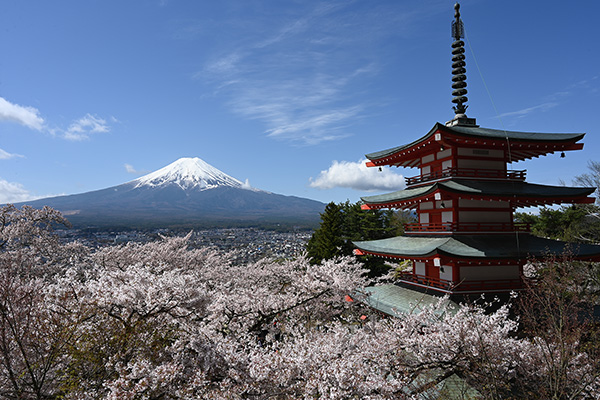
(462, 120)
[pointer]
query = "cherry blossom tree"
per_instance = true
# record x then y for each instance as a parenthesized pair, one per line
(163, 320)
(34, 328)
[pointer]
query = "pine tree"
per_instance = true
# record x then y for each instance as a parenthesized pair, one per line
(327, 241)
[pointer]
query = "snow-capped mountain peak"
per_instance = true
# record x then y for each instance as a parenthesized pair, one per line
(189, 173)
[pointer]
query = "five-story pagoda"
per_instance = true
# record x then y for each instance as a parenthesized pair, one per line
(465, 240)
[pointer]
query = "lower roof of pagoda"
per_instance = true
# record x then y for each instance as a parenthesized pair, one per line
(522, 145)
(514, 246)
(518, 193)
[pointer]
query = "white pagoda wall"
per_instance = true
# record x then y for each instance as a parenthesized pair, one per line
(419, 268)
(446, 272)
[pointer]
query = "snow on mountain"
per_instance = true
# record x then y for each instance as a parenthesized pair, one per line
(189, 173)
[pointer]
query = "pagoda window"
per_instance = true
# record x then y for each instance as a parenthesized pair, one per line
(440, 204)
(489, 272)
(426, 170)
(444, 154)
(424, 218)
(446, 164)
(446, 272)
(485, 216)
(481, 153)
(419, 268)
(470, 203)
(428, 158)
(447, 216)
(467, 163)
(426, 205)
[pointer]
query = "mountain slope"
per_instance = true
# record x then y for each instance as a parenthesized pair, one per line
(188, 192)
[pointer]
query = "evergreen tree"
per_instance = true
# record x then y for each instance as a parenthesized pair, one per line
(577, 223)
(327, 241)
(344, 223)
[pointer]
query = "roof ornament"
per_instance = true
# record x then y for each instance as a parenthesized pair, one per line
(459, 79)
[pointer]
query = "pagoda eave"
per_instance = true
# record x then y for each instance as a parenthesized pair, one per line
(515, 201)
(527, 195)
(475, 248)
(441, 255)
(520, 145)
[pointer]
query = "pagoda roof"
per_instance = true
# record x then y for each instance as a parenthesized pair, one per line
(503, 246)
(393, 300)
(523, 145)
(519, 193)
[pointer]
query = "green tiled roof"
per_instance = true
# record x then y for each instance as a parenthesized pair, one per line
(392, 299)
(501, 246)
(484, 133)
(487, 188)
(513, 135)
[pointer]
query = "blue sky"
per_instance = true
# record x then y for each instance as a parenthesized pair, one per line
(289, 95)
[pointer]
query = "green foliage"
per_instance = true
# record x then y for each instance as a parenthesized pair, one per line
(327, 241)
(343, 223)
(576, 223)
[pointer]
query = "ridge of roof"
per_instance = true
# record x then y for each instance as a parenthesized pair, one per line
(476, 131)
(514, 135)
(501, 246)
(476, 187)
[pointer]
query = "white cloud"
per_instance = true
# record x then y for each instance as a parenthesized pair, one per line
(246, 184)
(11, 192)
(4, 155)
(30, 117)
(356, 175)
(131, 170)
(27, 116)
(84, 126)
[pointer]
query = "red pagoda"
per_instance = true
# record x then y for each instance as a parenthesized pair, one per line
(465, 241)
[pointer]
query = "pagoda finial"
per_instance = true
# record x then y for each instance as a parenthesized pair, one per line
(459, 79)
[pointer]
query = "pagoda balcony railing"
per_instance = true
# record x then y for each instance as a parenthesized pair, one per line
(464, 286)
(464, 227)
(468, 173)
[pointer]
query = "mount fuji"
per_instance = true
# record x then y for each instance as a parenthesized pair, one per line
(186, 193)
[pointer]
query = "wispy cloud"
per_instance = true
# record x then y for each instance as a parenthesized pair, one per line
(24, 115)
(356, 175)
(302, 76)
(4, 155)
(529, 110)
(555, 99)
(82, 128)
